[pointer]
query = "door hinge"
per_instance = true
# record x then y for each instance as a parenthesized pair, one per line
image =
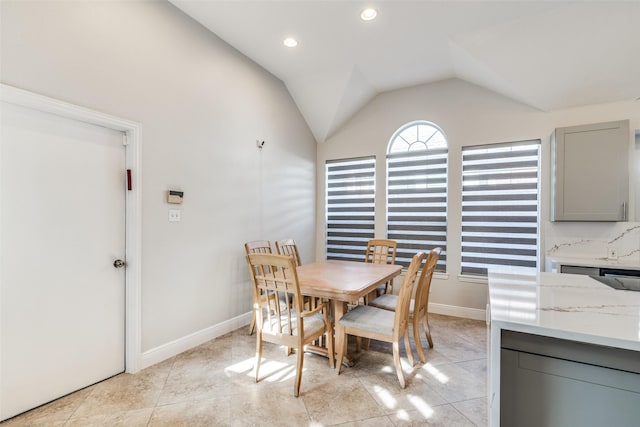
(125, 140)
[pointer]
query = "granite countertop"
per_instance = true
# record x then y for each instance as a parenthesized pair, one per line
(565, 306)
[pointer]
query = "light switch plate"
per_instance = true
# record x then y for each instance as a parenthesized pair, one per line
(174, 215)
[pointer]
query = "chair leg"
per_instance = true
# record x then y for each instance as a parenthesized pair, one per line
(332, 361)
(416, 338)
(362, 343)
(342, 340)
(296, 385)
(427, 330)
(258, 354)
(396, 362)
(407, 347)
(252, 325)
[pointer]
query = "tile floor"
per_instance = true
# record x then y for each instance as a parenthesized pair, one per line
(212, 385)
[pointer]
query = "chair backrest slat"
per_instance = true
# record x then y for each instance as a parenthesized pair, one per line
(277, 275)
(424, 283)
(404, 297)
(258, 246)
(289, 247)
(381, 251)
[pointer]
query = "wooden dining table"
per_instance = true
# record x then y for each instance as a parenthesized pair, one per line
(343, 282)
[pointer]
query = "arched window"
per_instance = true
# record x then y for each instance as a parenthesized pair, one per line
(417, 190)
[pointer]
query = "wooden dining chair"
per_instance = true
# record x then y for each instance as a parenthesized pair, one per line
(260, 247)
(375, 323)
(382, 251)
(285, 324)
(289, 247)
(419, 306)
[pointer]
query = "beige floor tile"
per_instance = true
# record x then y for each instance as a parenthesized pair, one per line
(277, 407)
(21, 422)
(134, 418)
(457, 348)
(476, 410)
(339, 399)
(439, 416)
(213, 385)
(391, 398)
(118, 396)
(477, 368)
(453, 382)
(201, 413)
(126, 392)
(194, 382)
(369, 422)
(54, 413)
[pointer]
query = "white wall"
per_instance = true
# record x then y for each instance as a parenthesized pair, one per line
(468, 115)
(201, 106)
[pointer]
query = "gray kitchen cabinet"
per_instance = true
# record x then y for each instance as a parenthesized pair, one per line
(546, 381)
(590, 170)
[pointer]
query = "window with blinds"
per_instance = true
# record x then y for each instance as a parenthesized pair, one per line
(350, 200)
(417, 191)
(500, 188)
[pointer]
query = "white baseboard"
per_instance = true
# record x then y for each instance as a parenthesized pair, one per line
(453, 310)
(170, 349)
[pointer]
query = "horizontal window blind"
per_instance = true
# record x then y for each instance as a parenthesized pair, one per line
(500, 206)
(417, 203)
(350, 192)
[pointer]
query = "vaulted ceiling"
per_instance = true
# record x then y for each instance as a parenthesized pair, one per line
(547, 54)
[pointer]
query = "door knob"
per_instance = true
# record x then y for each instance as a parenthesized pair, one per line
(119, 263)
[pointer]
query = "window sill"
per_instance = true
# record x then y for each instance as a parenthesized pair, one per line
(472, 279)
(440, 275)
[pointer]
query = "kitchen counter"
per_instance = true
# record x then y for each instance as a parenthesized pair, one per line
(623, 263)
(569, 307)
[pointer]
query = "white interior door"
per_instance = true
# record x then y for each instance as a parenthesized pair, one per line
(62, 225)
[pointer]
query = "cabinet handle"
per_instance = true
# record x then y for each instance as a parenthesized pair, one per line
(624, 211)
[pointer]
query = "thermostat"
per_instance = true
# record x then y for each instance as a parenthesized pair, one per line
(174, 196)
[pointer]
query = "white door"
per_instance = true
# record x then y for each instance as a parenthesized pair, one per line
(62, 225)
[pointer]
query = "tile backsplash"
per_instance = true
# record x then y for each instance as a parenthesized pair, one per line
(599, 240)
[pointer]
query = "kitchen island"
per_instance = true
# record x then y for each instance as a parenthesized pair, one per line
(564, 349)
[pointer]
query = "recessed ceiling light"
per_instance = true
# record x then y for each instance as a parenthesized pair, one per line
(290, 42)
(368, 14)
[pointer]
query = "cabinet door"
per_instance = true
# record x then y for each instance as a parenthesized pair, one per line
(591, 177)
(543, 391)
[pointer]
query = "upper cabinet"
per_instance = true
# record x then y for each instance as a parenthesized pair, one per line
(590, 180)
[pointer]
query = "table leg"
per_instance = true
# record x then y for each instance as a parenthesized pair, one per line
(339, 309)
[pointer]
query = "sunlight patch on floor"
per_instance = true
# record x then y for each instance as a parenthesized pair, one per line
(386, 397)
(435, 373)
(388, 369)
(271, 371)
(244, 367)
(421, 406)
(403, 415)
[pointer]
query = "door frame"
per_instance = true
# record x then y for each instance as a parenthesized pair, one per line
(133, 218)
